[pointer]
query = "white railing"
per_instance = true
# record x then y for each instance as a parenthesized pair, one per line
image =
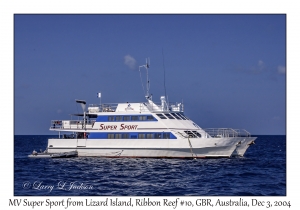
(226, 132)
(143, 107)
(71, 124)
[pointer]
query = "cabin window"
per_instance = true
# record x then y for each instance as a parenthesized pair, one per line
(197, 134)
(125, 136)
(169, 116)
(142, 118)
(111, 136)
(141, 135)
(118, 118)
(166, 135)
(150, 117)
(118, 136)
(157, 135)
(149, 136)
(190, 134)
(133, 136)
(111, 118)
(126, 118)
(161, 116)
(134, 118)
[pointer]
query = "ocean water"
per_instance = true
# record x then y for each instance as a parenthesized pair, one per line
(262, 172)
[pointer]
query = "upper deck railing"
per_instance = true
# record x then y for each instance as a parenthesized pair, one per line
(227, 132)
(142, 107)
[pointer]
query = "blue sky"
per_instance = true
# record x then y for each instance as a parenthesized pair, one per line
(229, 70)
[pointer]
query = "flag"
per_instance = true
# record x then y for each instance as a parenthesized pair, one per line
(99, 95)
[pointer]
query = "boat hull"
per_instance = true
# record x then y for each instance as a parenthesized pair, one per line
(243, 146)
(147, 148)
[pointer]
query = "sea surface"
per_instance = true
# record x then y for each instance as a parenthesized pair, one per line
(262, 172)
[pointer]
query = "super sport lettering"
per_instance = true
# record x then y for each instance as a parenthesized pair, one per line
(128, 127)
(108, 127)
(114, 127)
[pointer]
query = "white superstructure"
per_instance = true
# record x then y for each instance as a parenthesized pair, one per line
(145, 129)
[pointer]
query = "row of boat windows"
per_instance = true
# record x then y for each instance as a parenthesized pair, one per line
(139, 136)
(178, 116)
(80, 135)
(131, 118)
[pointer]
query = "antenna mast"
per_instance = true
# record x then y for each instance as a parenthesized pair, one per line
(147, 66)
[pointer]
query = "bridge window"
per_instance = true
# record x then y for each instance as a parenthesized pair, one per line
(169, 116)
(181, 115)
(174, 115)
(161, 116)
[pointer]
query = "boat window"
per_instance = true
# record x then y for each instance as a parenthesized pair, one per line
(197, 134)
(125, 136)
(118, 136)
(118, 118)
(150, 117)
(126, 118)
(166, 135)
(190, 134)
(142, 118)
(157, 135)
(174, 115)
(111, 136)
(111, 118)
(161, 116)
(182, 116)
(169, 116)
(149, 136)
(134, 118)
(141, 135)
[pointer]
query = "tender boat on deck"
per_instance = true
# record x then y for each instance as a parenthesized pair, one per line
(144, 130)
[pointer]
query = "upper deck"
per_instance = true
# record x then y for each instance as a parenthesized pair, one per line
(136, 107)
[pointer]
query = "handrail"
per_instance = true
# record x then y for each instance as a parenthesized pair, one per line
(71, 124)
(226, 132)
(144, 107)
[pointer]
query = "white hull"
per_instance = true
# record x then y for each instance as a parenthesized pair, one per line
(147, 148)
(243, 146)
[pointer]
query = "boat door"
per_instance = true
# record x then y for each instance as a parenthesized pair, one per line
(81, 140)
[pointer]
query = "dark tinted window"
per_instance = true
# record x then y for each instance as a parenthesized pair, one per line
(169, 116)
(161, 116)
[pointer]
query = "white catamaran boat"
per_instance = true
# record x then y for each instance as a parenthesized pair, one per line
(143, 130)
